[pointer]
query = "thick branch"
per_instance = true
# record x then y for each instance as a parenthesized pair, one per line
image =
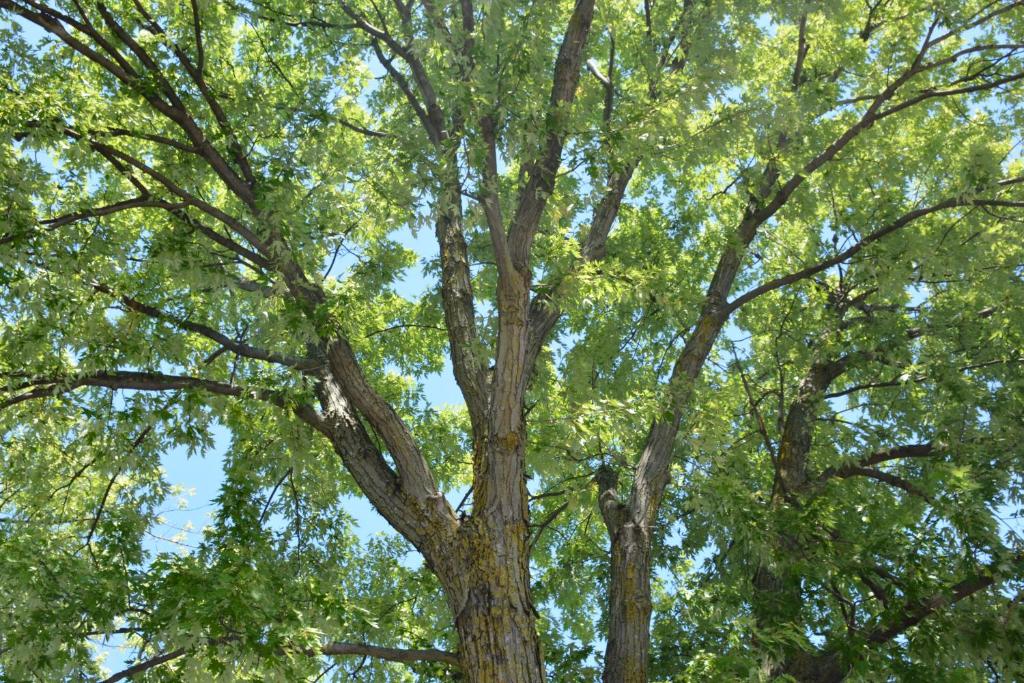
(655, 461)
(798, 429)
(459, 310)
(498, 479)
(912, 450)
(416, 477)
(865, 467)
(145, 665)
(541, 172)
(109, 209)
(901, 222)
(544, 309)
(427, 520)
(391, 654)
(914, 613)
(884, 477)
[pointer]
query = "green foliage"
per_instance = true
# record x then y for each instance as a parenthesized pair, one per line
(327, 163)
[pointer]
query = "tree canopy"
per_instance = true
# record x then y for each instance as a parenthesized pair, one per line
(732, 293)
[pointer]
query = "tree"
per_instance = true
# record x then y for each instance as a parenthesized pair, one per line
(733, 293)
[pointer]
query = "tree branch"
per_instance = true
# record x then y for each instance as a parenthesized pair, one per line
(912, 450)
(459, 310)
(541, 171)
(390, 653)
(100, 211)
(413, 508)
(544, 308)
(914, 613)
(503, 466)
(240, 348)
(195, 71)
(51, 20)
(429, 112)
(884, 477)
(145, 665)
(846, 254)
(416, 474)
(336, 649)
(44, 387)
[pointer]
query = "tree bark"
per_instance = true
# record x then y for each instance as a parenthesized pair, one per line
(497, 635)
(826, 667)
(488, 589)
(629, 606)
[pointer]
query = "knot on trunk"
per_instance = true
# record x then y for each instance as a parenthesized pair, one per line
(612, 509)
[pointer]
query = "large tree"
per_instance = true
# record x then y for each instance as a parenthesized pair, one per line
(733, 293)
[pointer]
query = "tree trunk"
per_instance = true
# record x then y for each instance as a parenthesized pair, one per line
(629, 606)
(825, 667)
(488, 589)
(498, 637)
(778, 599)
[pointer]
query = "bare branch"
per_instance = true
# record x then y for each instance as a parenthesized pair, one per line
(336, 649)
(884, 477)
(145, 665)
(912, 450)
(100, 211)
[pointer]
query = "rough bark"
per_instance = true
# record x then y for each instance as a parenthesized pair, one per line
(629, 597)
(487, 584)
(816, 668)
(629, 617)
